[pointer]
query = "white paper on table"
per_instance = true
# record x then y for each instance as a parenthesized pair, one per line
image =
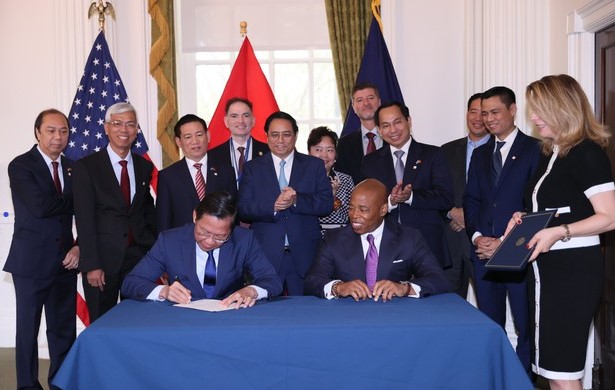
(211, 305)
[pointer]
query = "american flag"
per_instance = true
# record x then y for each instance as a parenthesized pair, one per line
(100, 87)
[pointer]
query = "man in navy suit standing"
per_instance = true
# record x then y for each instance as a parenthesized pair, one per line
(214, 269)
(497, 176)
(282, 194)
(415, 174)
(458, 154)
(241, 146)
(43, 257)
(182, 185)
(372, 257)
(114, 211)
(352, 147)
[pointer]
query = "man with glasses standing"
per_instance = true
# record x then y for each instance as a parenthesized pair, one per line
(114, 211)
(213, 268)
(282, 195)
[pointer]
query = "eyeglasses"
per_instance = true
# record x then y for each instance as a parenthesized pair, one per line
(120, 124)
(284, 135)
(203, 235)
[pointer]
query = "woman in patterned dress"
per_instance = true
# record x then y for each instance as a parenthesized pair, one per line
(322, 143)
(567, 270)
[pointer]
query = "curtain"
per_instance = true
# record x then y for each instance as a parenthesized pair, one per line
(162, 68)
(348, 22)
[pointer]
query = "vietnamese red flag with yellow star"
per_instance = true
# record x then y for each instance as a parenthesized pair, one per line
(247, 81)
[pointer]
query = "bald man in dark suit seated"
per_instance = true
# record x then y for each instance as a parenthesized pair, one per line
(374, 257)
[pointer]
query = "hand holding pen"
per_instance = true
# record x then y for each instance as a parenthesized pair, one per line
(176, 292)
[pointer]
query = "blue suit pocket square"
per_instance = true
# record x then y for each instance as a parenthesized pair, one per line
(398, 261)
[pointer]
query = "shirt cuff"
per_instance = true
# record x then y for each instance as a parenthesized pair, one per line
(475, 236)
(417, 290)
(409, 201)
(327, 289)
(155, 294)
(260, 292)
(389, 204)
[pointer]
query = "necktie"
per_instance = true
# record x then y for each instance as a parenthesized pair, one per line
(56, 177)
(282, 178)
(371, 263)
(497, 161)
(399, 166)
(200, 181)
(209, 281)
(242, 159)
(283, 183)
(371, 145)
(125, 182)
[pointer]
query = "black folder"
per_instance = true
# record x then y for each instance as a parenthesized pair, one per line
(512, 254)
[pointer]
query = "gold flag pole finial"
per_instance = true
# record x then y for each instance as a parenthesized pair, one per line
(101, 7)
(243, 28)
(376, 12)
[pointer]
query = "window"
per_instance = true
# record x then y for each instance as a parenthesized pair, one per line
(295, 57)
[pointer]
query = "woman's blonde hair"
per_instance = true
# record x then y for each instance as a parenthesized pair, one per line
(561, 103)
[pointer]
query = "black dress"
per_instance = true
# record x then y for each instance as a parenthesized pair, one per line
(566, 283)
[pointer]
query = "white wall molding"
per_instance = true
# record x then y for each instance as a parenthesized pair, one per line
(506, 44)
(582, 25)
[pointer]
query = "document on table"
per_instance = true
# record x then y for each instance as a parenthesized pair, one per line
(211, 305)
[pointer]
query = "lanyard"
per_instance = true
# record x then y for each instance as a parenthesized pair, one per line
(234, 156)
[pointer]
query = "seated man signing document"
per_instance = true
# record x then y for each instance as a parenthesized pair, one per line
(206, 259)
(373, 257)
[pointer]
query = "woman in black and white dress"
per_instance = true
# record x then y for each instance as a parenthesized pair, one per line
(574, 177)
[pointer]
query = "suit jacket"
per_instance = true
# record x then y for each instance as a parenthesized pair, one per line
(350, 155)
(43, 219)
(432, 194)
(403, 256)
(455, 153)
(258, 190)
(175, 253)
(177, 198)
(103, 222)
(221, 154)
(488, 207)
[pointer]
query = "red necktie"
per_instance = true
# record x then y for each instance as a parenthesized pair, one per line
(371, 145)
(242, 160)
(56, 177)
(199, 181)
(125, 183)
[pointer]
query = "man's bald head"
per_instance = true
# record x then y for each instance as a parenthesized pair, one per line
(368, 206)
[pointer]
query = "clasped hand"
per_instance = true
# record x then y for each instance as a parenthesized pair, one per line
(400, 194)
(486, 246)
(287, 198)
(386, 289)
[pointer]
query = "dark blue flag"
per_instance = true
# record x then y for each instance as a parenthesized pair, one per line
(99, 88)
(376, 68)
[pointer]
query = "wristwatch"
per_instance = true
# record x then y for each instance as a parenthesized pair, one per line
(334, 289)
(407, 283)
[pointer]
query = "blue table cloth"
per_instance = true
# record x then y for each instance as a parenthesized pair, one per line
(441, 342)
